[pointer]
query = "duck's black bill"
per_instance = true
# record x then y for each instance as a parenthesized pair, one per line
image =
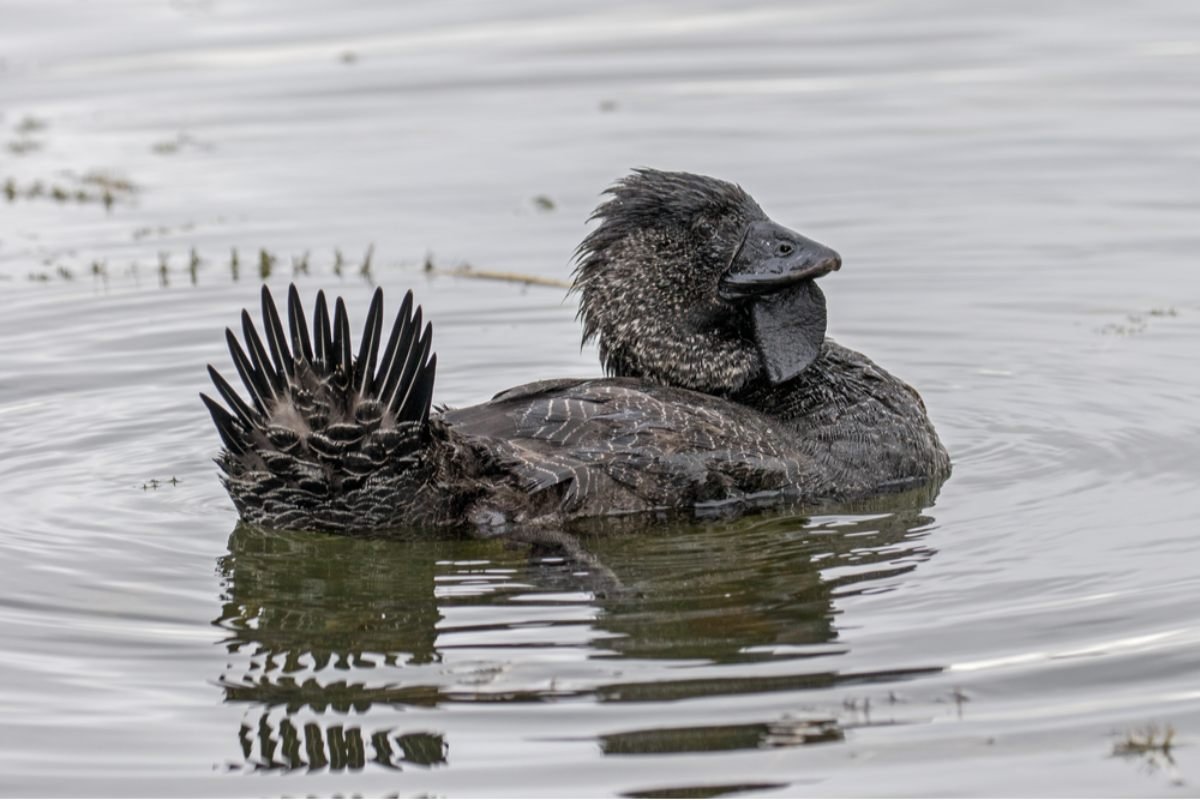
(772, 258)
(775, 269)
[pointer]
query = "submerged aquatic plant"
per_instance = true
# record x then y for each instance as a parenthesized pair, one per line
(268, 261)
(94, 187)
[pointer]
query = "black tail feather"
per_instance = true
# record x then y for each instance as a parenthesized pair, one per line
(272, 379)
(322, 338)
(397, 357)
(364, 368)
(301, 346)
(403, 366)
(227, 426)
(399, 331)
(341, 341)
(245, 414)
(250, 379)
(318, 403)
(417, 403)
(276, 340)
(408, 381)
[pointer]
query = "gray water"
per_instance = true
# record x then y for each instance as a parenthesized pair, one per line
(1014, 188)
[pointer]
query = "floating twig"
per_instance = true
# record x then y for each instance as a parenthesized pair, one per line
(467, 271)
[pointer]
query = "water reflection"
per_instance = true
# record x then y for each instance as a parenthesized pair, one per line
(321, 629)
(284, 746)
(327, 601)
(760, 592)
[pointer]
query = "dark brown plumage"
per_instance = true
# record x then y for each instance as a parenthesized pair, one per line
(724, 393)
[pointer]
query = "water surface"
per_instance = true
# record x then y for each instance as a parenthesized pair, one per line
(1014, 190)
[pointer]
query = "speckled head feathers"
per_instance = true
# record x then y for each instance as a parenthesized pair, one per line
(648, 276)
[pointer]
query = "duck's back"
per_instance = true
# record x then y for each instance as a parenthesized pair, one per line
(844, 429)
(581, 448)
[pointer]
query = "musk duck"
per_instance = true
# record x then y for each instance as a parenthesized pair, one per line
(722, 392)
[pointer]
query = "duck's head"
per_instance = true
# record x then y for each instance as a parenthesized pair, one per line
(687, 282)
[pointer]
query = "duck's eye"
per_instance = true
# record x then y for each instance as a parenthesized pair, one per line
(783, 249)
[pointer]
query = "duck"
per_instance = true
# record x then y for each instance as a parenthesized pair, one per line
(721, 393)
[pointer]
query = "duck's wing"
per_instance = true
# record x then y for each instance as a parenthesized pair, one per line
(615, 446)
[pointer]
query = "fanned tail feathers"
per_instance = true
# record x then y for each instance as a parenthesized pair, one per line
(320, 422)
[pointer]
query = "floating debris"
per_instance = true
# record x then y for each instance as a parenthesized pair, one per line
(1137, 322)
(167, 148)
(266, 263)
(181, 141)
(1152, 748)
(858, 706)
(109, 182)
(790, 731)
(147, 231)
(365, 269)
(1134, 324)
(959, 697)
(193, 263)
(30, 125)
(1146, 740)
(300, 265)
(467, 271)
(20, 147)
(95, 187)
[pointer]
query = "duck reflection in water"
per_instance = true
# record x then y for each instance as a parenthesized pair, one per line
(321, 629)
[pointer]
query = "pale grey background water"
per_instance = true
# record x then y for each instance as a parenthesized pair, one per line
(1015, 191)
